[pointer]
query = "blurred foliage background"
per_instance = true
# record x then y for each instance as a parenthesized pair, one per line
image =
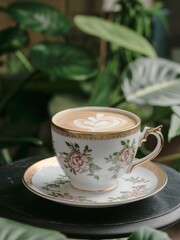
(114, 55)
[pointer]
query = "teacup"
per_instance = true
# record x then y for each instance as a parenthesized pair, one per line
(96, 146)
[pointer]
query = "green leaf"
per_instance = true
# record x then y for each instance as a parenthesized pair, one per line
(160, 113)
(174, 129)
(157, 10)
(115, 33)
(64, 101)
(123, 142)
(111, 169)
(176, 164)
(14, 90)
(39, 17)
(12, 39)
(14, 230)
(146, 233)
(6, 142)
(152, 82)
(63, 60)
(76, 145)
(44, 84)
(86, 148)
(94, 167)
(103, 86)
(115, 154)
(68, 144)
(176, 110)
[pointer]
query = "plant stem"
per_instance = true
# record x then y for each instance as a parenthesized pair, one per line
(168, 157)
(15, 90)
(5, 157)
(23, 59)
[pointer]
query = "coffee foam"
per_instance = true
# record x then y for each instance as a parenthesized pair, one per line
(90, 120)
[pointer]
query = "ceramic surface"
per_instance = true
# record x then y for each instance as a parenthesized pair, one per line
(46, 179)
(90, 155)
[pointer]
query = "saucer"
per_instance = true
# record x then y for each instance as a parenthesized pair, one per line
(47, 180)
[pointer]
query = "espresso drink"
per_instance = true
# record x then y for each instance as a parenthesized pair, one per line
(96, 146)
(95, 119)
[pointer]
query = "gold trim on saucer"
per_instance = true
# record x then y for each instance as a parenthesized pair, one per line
(34, 169)
(96, 191)
(162, 176)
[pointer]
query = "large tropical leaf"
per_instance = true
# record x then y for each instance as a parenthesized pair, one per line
(115, 33)
(146, 233)
(39, 17)
(174, 129)
(103, 86)
(11, 230)
(65, 101)
(12, 39)
(6, 142)
(152, 81)
(63, 60)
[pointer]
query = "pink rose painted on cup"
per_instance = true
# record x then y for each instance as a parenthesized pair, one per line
(120, 160)
(78, 162)
(125, 157)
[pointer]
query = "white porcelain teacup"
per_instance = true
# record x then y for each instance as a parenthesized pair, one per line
(95, 146)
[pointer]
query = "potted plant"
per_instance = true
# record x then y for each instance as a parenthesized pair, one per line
(133, 76)
(15, 230)
(36, 73)
(63, 74)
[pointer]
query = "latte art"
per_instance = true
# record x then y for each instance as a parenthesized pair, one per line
(99, 121)
(94, 120)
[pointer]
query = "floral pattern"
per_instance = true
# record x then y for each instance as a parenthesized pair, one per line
(59, 189)
(78, 161)
(47, 179)
(135, 180)
(137, 190)
(122, 158)
(54, 189)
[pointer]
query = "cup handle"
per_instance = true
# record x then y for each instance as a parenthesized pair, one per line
(143, 138)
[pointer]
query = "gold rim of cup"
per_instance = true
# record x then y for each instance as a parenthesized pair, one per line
(96, 135)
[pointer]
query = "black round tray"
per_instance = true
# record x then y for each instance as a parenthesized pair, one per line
(18, 203)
